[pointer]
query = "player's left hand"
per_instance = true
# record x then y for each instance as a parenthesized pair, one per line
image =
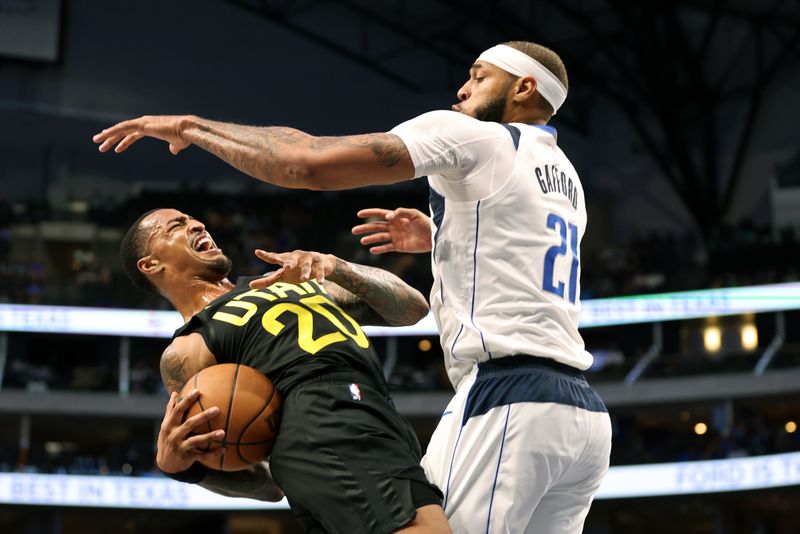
(165, 127)
(295, 267)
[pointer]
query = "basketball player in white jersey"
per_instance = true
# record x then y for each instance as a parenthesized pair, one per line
(524, 444)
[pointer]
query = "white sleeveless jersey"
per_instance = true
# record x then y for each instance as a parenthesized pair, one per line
(509, 215)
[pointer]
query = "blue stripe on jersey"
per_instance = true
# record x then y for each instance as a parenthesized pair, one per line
(514, 131)
(436, 201)
(453, 345)
(549, 129)
(475, 275)
(437, 207)
(524, 378)
(497, 471)
(450, 471)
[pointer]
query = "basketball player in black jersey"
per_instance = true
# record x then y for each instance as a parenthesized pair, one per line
(345, 458)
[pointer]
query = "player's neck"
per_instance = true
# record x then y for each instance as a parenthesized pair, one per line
(526, 113)
(191, 298)
(525, 117)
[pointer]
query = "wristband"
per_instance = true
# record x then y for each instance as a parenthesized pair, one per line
(195, 474)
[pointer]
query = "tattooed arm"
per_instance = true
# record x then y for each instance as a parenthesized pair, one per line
(373, 296)
(369, 295)
(177, 439)
(281, 156)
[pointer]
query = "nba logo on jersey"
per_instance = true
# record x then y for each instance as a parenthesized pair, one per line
(355, 392)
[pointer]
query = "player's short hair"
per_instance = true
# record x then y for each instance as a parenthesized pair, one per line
(546, 57)
(131, 250)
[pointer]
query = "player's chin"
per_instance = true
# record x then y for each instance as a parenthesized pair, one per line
(218, 263)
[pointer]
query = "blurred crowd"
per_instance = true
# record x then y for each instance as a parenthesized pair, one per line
(118, 451)
(751, 433)
(740, 255)
(77, 264)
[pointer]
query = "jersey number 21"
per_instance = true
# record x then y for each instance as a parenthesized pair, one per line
(556, 223)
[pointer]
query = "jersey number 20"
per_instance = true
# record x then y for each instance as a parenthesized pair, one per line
(554, 222)
(313, 306)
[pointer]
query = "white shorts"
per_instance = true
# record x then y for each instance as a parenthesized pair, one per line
(522, 448)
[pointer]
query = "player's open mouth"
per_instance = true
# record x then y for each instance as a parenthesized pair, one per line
(204, 243)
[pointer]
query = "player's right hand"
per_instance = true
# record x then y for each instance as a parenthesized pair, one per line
(398, 230)
(168, 128)
(295, 267)
(178, 444)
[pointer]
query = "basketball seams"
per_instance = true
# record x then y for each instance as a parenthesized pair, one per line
(239, 443)
(246, 390)
(228, 415)
(202, 409)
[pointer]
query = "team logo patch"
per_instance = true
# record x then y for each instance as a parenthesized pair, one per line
(355, 392)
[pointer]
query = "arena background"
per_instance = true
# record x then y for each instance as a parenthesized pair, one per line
(682, 121)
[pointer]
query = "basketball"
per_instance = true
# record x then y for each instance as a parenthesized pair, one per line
(249, 413)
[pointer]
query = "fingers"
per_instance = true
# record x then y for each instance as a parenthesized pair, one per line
(380, 237)
(373, 212)
(173, 398)
(110, 142)
(201, 440)
(198, 421)
(409, 213)
(286, 262)
(117, 131)
(266, 281)
(182, 404)
(366, 228)
(296, 266)
(383, 249)
(272, 257)
(127, 141)
(306, 266)
(317, 271)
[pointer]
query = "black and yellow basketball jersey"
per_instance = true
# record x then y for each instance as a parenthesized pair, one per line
(289, 332)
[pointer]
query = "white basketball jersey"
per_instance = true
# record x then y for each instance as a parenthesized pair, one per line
(509, 215)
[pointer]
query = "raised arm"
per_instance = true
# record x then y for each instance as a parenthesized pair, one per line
(282, 156)
(369, 295)
(178, 455)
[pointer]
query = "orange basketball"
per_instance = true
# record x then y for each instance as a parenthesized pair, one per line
(249, 413)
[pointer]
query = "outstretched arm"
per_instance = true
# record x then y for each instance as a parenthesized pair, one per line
(369, 295)
(282, 156)
(178, 439)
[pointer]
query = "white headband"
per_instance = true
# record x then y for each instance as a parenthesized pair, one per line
(519, 63)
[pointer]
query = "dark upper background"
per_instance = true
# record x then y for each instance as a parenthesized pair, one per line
(681, 117)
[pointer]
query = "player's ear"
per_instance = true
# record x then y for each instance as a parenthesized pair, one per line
(524, 88)
(149, 265)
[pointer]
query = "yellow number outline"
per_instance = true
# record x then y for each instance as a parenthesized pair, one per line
(315, 305)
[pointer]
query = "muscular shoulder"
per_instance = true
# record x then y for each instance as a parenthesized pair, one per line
(184, 357)
(451, 144)
(449, 123)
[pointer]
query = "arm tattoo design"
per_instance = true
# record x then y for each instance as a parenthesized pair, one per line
(259, 151)
(374, 296)
(387, 147)
(172, 370)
